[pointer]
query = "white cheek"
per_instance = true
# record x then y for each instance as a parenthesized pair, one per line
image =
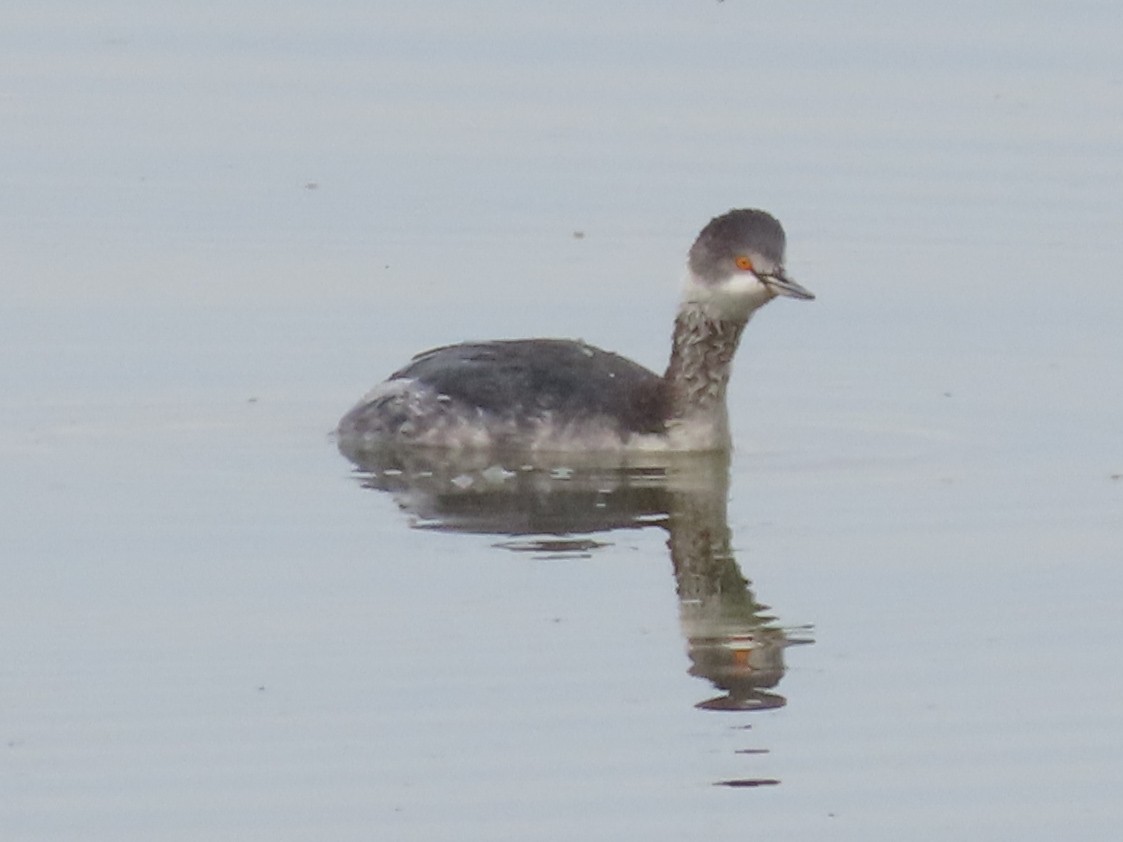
(734, 299)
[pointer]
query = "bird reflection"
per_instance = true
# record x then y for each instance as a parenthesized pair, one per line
(732, 639)
(556, 505)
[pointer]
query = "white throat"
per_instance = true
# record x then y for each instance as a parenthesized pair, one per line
(733, 299)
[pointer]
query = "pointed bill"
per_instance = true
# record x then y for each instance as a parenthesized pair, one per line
(781, 284)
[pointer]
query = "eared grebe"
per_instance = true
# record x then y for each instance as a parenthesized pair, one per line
(563, 395)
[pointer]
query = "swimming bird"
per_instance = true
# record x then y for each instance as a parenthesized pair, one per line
(566, 395)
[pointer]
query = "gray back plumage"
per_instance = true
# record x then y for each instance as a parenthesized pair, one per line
(524, 378)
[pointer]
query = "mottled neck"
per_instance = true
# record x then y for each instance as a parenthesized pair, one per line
(701, 361)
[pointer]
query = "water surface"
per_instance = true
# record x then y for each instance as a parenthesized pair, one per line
(219, 229)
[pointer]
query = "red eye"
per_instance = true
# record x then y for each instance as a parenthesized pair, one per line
(744, 263)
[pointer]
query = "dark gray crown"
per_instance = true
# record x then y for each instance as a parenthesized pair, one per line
(733, 233)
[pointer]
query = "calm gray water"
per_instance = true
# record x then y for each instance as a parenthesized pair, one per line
(219, 227)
